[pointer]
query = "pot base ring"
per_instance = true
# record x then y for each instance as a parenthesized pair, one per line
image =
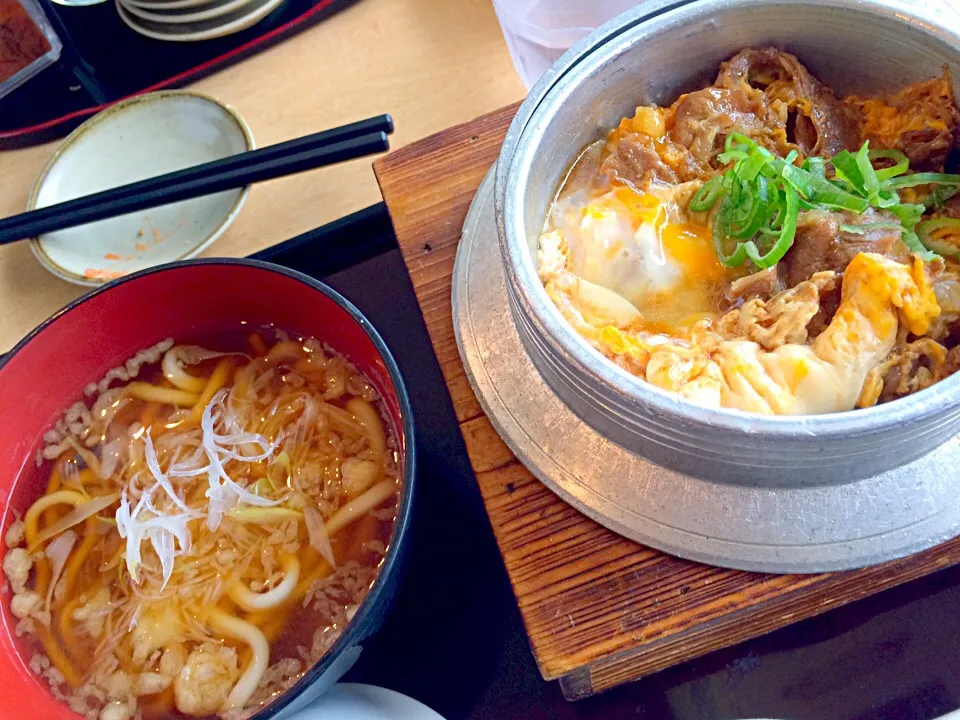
(802, 530)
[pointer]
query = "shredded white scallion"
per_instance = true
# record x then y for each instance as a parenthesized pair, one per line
(154, 465)
(168, 532)
(57, 552)
(146, 522)
(224, 494)
(317, 532)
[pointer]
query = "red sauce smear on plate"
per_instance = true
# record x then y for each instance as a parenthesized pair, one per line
(21, 41)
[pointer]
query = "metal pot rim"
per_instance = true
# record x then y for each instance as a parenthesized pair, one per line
(513, 167)
(569, 60)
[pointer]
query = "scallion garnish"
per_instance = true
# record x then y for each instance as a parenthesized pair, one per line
(925, 232)
(822, 192)
(910, 214)
(899, 167)
(760, 197)
(939, 195)
(756, 210)
(815, 165)
(867, 227)
(925, 178)
(707, 195)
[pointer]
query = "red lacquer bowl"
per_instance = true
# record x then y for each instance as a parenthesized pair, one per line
(48, 370)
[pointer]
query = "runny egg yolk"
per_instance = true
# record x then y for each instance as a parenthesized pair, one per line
(642, 206)
(633, 244)
(691, 247)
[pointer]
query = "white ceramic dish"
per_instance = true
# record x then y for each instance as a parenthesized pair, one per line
(350, 701)
(168, 4)
(181, 16)
(228, 24)
(142, 137)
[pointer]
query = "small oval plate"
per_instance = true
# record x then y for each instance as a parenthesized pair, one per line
(139, 138)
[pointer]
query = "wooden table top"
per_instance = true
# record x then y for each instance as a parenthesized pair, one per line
(430, 63)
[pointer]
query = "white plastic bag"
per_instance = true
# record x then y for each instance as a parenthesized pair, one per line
(540, 31)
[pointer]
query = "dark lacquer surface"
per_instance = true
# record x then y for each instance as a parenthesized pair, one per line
(103, 60)
(454, 639)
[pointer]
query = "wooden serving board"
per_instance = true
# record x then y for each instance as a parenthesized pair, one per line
(600, 610)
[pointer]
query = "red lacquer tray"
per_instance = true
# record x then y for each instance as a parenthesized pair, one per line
(104, 61)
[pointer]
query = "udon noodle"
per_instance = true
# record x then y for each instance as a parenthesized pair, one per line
(212, 519)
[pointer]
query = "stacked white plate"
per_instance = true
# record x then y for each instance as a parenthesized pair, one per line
(192, 20)
(350, 701)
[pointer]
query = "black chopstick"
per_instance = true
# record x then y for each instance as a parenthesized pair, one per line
(287, 158)
(380, 123)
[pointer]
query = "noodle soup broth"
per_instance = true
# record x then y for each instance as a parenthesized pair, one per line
(209, 518)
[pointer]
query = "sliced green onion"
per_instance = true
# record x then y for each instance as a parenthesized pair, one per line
(821, 191)
(762, 211)
(900, 166)
(906, 181)
(910, 214)
(815, 166)
(751, 167)
(844, 185)
(912, 241)
(739, 254)
(739, 141)
(871, 185)
(747, 220)
(729, 156)
(787, 233)
(885, 199)
(846, 169)
(862, 229)
(925, 232)
(760, 196)
(706, 197)
(779, 214)
(939, 195)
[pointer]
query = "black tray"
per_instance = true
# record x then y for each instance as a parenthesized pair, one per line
(103, 61)
(454, 638)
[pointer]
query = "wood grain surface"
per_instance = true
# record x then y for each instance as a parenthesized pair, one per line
(430, 63)
(599, 610)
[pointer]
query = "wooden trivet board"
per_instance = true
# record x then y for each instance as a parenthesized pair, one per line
(599, 610)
